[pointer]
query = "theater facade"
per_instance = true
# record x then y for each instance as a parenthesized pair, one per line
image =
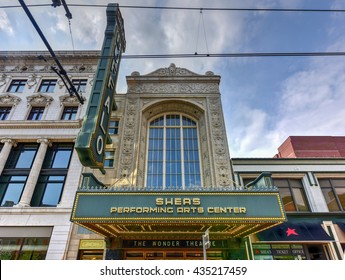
(168, 177)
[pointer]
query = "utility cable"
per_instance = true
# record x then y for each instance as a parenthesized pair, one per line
(191, 8)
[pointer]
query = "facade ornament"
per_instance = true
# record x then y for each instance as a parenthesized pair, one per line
(172, 70)
(32, 80)
(3, 80)
(68, 100)
(9, 100)
(39, 99)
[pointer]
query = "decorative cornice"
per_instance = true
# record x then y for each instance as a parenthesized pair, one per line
(68, 99)
(172, 70)
(9, 99)
(39, 99)
(41, 124)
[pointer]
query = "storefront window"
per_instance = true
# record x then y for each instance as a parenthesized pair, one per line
(23, 248)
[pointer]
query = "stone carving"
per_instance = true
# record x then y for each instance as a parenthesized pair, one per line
(68, 100)
(222, 164)
(39, 99)
(127, 153)
(174, 88)
(81, 68)
(172, 70)
(9, 100)
(32, 80)
(3, 80)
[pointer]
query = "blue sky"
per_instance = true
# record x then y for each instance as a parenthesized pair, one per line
(265, 100)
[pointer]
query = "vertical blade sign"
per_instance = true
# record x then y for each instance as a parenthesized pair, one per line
(91, 141)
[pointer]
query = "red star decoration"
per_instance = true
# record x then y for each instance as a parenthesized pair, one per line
(291, 231)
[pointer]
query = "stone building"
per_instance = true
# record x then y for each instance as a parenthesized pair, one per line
(40, 171)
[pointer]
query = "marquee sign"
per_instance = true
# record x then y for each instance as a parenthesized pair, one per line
(90, 143)
(185, 207)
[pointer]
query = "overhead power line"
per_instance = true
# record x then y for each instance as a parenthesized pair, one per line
(190, 8)
(212, 55)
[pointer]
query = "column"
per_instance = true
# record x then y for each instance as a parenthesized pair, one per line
(5, 152)
(34, 173)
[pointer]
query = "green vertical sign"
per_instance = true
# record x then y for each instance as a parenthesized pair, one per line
(91, 141)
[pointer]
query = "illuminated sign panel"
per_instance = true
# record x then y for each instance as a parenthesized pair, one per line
(178, 207)
(90, 144)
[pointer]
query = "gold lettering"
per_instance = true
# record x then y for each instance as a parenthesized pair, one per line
(187, 201)
(200, 210)
(196, 201)
(169, 201)
(159, 201)
(210, 210)
(113, 210)
(178, 201)
(179, 209)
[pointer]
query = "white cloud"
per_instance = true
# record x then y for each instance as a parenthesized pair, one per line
(313, 100)
(5, 24)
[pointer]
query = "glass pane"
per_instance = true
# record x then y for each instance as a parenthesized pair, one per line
(330, 199)
(341, 195)
(295, 183)
(301, 200)
(338, 182)
(324, 183)
(280, 182)
(287, 199)
(13, 193)
(26, 158)
(62, 158)
(52, 194)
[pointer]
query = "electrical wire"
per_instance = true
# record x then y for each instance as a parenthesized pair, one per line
(201, 55)
(189, 8)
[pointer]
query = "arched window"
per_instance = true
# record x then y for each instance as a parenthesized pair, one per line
(173, 153)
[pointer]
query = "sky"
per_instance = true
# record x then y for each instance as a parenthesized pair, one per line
(265, 99)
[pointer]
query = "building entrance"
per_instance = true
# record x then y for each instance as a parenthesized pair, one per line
(171, 255)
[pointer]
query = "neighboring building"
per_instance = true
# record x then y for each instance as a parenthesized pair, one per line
(40, 171)
(312, 147)
(310, 175)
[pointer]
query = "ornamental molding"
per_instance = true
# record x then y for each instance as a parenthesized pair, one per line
(177, 87)
(39, 99)
(69, 100)
(3, 79)
(41, 124)
(172, 70)
(9, 99)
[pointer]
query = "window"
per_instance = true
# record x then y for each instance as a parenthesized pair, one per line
(114, 127)
(22, 156)
(49, 188)
(334, 193)
(47, 86)
(36, 113)
(109, 158)
(69, 113)
(28, 248)
(17, 86)
(4, 113)
(15, 173)
(173, 153)
(292, 194)
(11, 188)
(80, 85)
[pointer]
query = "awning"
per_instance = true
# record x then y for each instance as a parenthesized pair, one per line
(294, 232)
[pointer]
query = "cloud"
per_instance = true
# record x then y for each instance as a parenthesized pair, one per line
(313, 100)
(5, 24)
